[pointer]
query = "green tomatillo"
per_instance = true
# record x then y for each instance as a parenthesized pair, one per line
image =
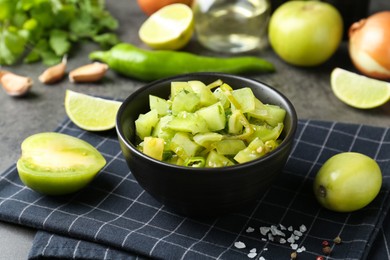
(57, 164)
(347, 182)
(305, 33)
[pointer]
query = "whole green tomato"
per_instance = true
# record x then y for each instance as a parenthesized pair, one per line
(347, 182)
(57, 164)
(305, 33)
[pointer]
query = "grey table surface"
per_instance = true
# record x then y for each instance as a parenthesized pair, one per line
(43, 109)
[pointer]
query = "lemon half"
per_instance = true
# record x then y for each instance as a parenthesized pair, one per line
(359, 91)
(170, 28)
(91, 113)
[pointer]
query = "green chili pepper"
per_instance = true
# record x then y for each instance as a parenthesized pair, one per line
(148, 65)
(195, 162)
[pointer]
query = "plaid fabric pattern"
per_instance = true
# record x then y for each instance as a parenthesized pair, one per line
(123, 221)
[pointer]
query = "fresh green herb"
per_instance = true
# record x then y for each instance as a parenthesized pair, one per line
(46, 30)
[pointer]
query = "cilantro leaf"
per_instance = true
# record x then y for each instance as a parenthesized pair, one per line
(59, 42)
(106, 40)
(46, 30)
(11, 47)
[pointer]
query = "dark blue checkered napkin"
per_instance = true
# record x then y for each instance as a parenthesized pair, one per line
(114, 218)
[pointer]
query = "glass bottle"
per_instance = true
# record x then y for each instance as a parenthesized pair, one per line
(232, 26)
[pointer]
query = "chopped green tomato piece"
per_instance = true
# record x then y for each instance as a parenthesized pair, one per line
(183, 146)
(271, 114)
(248, 129)
(207, 139)
(195, 162)
(217, 160)
(266, 133)
(276, 115)
(221, 97)
(235, 126)
(254, 150)
(154, 147)
(188, 122)
(178, 86)
(145, 123)
(260, 111)
(174, 159)
(162, 131)
(229, 146)
(214, 116)
(185, 101)
(246, 99)
(161, 105)
(206, 96)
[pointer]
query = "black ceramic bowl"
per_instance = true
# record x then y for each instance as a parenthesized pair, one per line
(203, 191)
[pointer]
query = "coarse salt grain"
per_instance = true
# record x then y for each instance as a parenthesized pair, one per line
(276, 232)
(291, 239)
(297, 233)
(302, 228)
(239, 245)
(250, 229)
(252, 254)
(270, 237)
(294, 246)
(264, 230)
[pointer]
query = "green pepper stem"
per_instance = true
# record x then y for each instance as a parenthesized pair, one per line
(98, 55)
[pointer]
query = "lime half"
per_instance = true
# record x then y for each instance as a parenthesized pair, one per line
(170, 28)
(359, 91)
(91, 113)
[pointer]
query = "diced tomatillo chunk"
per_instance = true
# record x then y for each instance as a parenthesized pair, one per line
(215, 159)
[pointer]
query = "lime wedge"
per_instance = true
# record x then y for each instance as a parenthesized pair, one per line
(359, 91)
(91, 113)
(170, 28)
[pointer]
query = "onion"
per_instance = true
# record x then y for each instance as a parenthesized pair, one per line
(369, 45)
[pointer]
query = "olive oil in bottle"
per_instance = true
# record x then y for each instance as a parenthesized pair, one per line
(231, 26)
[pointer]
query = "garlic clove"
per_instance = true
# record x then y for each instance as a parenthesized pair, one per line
(88, 73)
(54, 73)
(15, 85)
(2, 72)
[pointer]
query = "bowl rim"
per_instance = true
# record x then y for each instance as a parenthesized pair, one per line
(286, 141)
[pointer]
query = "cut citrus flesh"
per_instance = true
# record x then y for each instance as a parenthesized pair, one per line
(170, 28)
(359, 91)
(91, 113)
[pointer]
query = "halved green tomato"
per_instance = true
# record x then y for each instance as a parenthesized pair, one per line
(57, 164)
